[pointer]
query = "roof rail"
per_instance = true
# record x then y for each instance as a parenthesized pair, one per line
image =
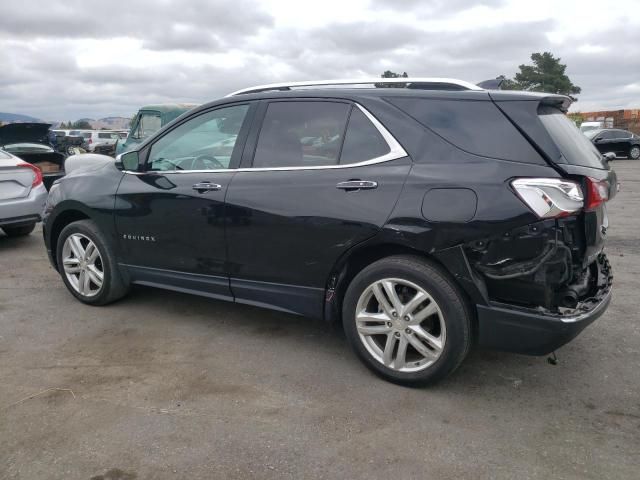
(405, 82)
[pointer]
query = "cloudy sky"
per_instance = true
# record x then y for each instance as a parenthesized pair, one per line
(75, 58)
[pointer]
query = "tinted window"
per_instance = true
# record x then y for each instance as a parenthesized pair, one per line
(300, 134)
(575, 147)
(607, 135)
(622, 134)
(477, 127)
(205, 142)
(362, 140)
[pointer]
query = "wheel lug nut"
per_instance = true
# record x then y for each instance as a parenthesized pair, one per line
(406, 318)
(389, 324)
(397, 334)
(407, 331)
(395, 314)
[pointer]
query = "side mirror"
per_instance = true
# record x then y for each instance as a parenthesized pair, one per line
(597, 139)
(128, 161)
(609, 156)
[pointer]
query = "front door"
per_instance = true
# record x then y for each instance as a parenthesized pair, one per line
(170, 217)
(323, 179)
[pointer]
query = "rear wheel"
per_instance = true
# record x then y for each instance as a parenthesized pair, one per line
(634, 152)
(20, 231)
(87, 264)
(407, 321)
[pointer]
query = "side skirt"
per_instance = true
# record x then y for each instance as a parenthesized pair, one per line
(294, 299)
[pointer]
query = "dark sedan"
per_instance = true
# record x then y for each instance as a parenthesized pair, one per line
(621, 142)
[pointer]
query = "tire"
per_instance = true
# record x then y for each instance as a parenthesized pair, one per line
(634, 152)
(447, 320)
(69, 259)
(21, 231)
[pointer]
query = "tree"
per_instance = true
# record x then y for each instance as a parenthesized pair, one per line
(390, 74)
(545, 75)
(82, 125)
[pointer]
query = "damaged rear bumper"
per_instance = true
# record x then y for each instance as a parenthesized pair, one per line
(536, 331)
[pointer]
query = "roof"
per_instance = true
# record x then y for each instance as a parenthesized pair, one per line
(416, 83)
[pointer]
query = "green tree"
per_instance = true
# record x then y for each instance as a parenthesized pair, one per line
(546, 74)
(82, 125)
(390, 74)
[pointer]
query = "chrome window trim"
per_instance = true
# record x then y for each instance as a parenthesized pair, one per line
(395, 152)
(353, 81)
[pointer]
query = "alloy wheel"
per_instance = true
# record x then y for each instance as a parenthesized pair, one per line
(635, 153)
(400, 325)
(83, 265)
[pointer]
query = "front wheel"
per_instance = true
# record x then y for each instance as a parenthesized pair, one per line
(407, 321)
(634, 152)
(87, 264)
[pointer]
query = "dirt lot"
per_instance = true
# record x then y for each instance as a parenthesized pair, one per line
(164, 385)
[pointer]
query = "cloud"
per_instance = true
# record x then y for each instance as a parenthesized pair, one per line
(66, 60)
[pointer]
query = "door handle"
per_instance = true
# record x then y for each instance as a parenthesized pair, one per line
(352, 185)
(203, 187)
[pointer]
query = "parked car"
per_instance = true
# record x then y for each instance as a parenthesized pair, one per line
(30, 142)
(65, 143)
(621, 142)
(148, 121)
(22, 195)
(589, 126)
(432, 224)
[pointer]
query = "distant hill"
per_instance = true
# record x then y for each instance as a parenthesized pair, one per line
(16, 117)
(113, 123)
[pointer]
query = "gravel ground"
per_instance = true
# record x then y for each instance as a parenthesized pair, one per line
(165, 385)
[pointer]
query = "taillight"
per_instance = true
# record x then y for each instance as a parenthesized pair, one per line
(549, 197)
(597, 193)
(37, 173)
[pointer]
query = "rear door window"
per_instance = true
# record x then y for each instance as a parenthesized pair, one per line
(301, 134)
(576, 148)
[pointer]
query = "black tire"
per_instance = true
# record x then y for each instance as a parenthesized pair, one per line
(454, 307)
(114, 286)
(634, 152)
(21, 231)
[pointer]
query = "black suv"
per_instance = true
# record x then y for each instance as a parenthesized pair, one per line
(621, 142)
(426, 218)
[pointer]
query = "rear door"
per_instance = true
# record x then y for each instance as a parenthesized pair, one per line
(605, 141)
(318, 177)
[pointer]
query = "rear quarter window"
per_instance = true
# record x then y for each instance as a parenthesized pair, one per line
(477, 127)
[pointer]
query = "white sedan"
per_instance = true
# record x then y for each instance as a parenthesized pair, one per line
(22, 195)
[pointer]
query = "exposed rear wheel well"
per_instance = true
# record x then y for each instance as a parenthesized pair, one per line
(354, 263)
(61, 221)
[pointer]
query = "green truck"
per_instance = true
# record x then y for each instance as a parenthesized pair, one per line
(149, 120)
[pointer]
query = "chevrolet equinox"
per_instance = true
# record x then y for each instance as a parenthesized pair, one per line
(424, 214)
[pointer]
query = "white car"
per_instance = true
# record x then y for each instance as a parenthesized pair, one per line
(93, 138)
(22, 195)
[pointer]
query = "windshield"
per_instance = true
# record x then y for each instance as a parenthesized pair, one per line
(576, 148)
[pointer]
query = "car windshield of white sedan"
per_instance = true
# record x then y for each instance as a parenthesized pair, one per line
(205, 142)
